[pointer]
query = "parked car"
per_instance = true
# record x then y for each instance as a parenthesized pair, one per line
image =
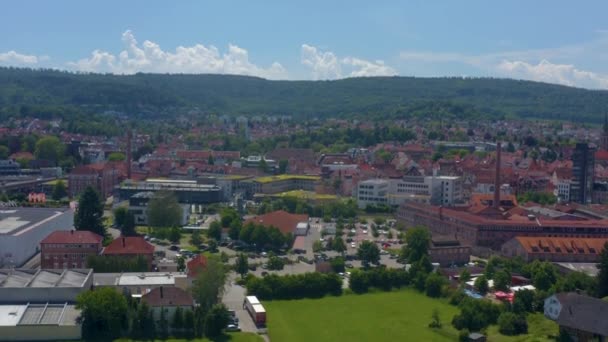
(174, 248)
(264, 274)
(348, 265)
(232, 327)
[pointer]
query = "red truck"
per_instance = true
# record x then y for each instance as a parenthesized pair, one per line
(256, 310)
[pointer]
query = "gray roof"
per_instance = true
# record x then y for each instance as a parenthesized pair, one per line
(583, 313)
(15, 220)
(38, 314)
(44, 278)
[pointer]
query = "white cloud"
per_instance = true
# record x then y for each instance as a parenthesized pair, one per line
(326, 65)
(546, 71)
(150, 57)
(14, 58)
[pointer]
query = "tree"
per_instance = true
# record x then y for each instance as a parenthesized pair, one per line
(104, 313)
(511, 324)
(209, 284)
(418, 240)
(164, 211)
(177, 323)
(317, 246)
(175, 234)
(235, 228)
(241, 265)
(116, 157)
(163, 324)
(89, 214)
(125, 221)
(602, 277)
(337, 264)
(435, 320)
(195, 238)
(338, 245)
(465, 276)
(4, 152)
(369, 253)
(502, 280)
(275, 263)
(216, 320)
(49, 148)
(189, 324)
(523, 301)
(181, 264)
(59, 190)
(481, 284)
(142, 326)
(212, 243)
(434, 285)
(283, 166)
(215, 231)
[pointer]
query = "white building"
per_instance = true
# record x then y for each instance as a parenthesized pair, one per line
(440, 190)
(22, 229)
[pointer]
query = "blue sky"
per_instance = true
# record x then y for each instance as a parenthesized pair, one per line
(556, 41)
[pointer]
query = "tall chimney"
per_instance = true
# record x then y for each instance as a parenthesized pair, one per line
(496, 202)
(129, 161)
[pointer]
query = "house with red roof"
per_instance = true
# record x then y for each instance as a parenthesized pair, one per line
(101, 176)
(69, 249)
(130, 247)
(284, 221)
(195, 265)
(168, 299)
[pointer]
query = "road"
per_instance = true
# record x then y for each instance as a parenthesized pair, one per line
(233, 298)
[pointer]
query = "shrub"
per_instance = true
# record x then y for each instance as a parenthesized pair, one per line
(512, 324)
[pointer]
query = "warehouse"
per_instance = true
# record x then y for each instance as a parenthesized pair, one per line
(39, 322)
(24, 285)
(22, 229)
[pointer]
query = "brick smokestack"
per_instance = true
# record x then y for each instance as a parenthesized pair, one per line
(129, 161)
(497, 178)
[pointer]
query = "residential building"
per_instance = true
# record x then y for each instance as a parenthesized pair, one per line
(581, 317)
(131, 247)
(195, 265)
(284, 221)
(583, 170)
(554, 249)
(69, 249)
(167, 299)
(22, 230)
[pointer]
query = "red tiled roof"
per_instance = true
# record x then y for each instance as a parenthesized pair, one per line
(557, 245)
(281, 219)
(601, 155)
(72, 236)
(129, 245)
(197, 263)
(168, 296)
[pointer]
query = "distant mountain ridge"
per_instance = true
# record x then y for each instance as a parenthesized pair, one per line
(372, 97)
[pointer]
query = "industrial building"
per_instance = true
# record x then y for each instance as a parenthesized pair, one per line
(140, 283)
(39, 305)
(22, 230)
(186, 191)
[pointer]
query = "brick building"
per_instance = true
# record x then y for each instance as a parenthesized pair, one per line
(449, 252)
(68, 249)
(131, 247)
(555, 249)
(101, 176)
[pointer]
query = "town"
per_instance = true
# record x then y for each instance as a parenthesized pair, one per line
(206, 239)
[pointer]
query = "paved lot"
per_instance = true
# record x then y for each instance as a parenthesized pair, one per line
(233, 298)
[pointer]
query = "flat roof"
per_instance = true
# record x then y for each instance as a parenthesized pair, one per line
(15, 221)
(38, 314)
(17, 278)
(158, 278)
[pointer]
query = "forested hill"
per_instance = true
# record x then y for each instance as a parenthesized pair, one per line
(26, 91)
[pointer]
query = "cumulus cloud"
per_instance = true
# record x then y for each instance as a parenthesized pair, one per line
(14, 58)
(326, 65)
(150, 57)
(546, 71)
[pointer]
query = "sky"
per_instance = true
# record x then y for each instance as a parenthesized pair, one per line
(564, 42)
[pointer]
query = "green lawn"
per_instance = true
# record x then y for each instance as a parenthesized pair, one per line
(539, 329)
(384, 316)
(230, 337)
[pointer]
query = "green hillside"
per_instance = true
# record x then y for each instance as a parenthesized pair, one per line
(26, 91)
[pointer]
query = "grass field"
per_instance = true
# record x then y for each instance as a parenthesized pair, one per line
(539, 329)
(386, 316)
(230, 337)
